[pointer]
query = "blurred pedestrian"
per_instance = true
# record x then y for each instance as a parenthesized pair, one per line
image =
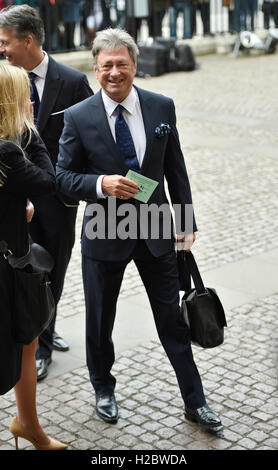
(106, 21)
(94, 18)
(275, 13)
(120, 6)
(136, 12)
(204, 7)
(50, 16)
(157, 13)
(55, 87)
(270, 11)
(71, 17)
(97, 13)
(187, 8)
(19, 179)
(233, 15)
(94, 14)
(230, 5)
(83, 23)
(248, 14)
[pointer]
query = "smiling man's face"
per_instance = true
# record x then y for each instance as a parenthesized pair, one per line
(14, 49)
(115, 72)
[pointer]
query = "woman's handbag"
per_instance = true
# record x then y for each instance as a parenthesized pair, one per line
(202, 308)
(34, 305)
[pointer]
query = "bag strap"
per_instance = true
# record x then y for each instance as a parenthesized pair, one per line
(195, 273)
(188, 268)
(183, 270)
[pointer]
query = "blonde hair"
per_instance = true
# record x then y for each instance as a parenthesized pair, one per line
(15, 116)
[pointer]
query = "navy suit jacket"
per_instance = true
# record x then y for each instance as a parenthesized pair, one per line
(87, 150)
(64, 87)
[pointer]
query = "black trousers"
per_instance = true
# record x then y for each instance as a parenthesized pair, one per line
(205, 16)
(53, 227)
(102, 282)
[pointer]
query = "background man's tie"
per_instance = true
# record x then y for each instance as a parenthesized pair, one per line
(125, 142)
(34, 96)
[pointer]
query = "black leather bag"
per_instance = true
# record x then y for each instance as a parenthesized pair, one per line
(34, 305)
(202, 308)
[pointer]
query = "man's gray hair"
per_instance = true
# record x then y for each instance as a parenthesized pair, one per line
(114, 38)
(23, 20)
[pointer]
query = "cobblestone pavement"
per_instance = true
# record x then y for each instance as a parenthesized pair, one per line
(227, 118)
(239, 377)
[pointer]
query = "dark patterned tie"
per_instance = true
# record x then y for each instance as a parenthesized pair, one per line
(34, 96)
(125, 142)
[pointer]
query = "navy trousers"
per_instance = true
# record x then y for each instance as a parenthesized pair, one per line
(53, 227)
(102, 281)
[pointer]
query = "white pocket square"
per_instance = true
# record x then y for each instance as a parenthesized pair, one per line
(58, 112)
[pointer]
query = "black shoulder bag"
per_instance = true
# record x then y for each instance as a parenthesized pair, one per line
(202, 308)
(33, 304)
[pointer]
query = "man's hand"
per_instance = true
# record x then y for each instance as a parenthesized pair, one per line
(29, 210)
(185, 242)
(119, 186)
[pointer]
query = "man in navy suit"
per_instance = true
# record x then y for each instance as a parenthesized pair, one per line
(123, 127)
(55, 87)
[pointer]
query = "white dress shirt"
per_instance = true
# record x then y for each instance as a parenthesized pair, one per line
(41, 71)
(133, 116)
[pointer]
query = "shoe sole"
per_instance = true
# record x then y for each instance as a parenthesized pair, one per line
(107, 420)
(57, 348)
(214, 428)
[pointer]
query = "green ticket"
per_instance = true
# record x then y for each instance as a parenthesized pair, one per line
(146, 185)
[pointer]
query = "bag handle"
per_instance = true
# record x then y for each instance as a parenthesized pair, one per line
(188, 268)
(184, 274)
(195, 273)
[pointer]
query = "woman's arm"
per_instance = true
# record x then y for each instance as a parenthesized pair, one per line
(35, 177)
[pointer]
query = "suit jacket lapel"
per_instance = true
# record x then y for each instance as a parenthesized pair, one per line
(149, 123)
(102, 125)
(51, 90)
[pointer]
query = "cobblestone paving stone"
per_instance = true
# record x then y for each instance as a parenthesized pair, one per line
(235, 198)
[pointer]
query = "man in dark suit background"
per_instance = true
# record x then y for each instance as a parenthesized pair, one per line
(55, 87)
(123, 127)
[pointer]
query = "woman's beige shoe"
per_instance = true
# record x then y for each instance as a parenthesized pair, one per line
(17, 431)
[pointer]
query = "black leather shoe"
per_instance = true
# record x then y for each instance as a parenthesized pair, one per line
(205, 417)
(106, 408)
(58, 343)
(42, 367)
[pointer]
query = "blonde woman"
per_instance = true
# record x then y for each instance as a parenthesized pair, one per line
(25, 170)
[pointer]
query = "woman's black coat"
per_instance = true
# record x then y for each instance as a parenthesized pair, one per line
(23, 180)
